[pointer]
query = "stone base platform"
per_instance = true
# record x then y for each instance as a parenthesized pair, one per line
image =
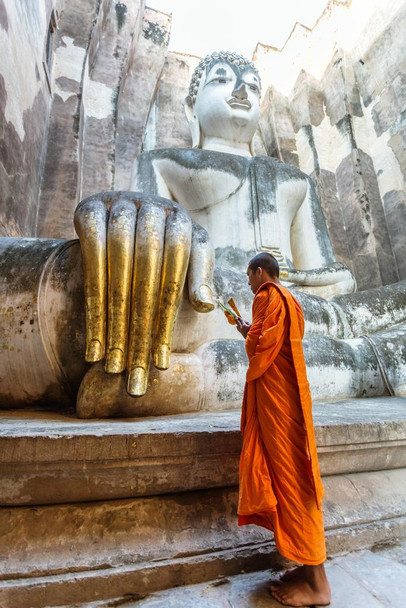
(48, 458)
(94, 510)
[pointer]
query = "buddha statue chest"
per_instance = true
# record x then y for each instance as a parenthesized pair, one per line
(245, 204)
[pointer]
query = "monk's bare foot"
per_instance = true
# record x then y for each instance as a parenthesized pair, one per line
(310, 589)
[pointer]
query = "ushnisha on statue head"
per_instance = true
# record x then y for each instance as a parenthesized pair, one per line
(222, 107)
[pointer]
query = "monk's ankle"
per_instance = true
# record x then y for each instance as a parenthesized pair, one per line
(316, 575)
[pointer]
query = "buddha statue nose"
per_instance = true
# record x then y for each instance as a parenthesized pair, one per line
(240, 91)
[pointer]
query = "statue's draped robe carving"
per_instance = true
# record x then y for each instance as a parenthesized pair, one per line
(257, 196)
(280, 484)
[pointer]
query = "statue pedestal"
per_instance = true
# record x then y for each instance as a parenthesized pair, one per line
(131, 506)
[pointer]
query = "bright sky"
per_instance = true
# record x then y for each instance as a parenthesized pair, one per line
(202, 26)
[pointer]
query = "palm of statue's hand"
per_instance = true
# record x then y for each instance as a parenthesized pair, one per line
(136, 252)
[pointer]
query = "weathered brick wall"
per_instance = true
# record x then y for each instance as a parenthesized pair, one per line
(138, 90)
(24, 108)
(94, 40)
(343, 88)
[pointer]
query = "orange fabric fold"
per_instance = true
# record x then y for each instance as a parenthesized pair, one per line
(280, 484)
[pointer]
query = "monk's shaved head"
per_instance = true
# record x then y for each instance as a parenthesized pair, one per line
(267, 262)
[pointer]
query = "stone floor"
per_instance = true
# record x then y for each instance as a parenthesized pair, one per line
(363, 579)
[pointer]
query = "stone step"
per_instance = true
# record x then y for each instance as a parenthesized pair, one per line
(363, 579)
(48, 458)
(360, 580)
(86, 552)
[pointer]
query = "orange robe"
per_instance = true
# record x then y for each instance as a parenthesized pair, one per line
(280, 484)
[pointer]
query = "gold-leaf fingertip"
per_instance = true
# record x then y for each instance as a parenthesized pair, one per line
(161, 356)
(94, 351)
(137, 382)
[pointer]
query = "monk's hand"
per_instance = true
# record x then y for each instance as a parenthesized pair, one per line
(137, 250)
(242, 326)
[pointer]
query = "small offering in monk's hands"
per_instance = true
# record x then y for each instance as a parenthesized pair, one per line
(231, 311)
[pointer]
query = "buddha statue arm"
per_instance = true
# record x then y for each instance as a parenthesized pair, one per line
(316, 269)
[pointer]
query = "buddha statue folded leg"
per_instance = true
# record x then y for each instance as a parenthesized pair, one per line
(213, 362)
(212, 378)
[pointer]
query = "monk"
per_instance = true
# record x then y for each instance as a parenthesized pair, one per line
(280, 484)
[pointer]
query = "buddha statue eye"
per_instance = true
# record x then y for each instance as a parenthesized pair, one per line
(253, 87)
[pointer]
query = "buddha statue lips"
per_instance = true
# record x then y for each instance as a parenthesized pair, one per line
(239, 104)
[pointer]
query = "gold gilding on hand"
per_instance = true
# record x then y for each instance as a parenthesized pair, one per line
(94, 350)
(137, 382)
(149, 245)
(136, 251)
(161, 356)
(202, 299)
(90, 223)
(120, 256)
(178, 237)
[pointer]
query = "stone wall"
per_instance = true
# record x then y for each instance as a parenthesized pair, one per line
(61, 173)
(95, 42)
(167, 125)
(25, 99)
(341, 88)
(138, 91)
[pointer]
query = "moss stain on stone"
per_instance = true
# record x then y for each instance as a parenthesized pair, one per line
(158, 35)
(121, 14)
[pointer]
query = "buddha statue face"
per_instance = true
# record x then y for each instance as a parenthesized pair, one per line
(224, 104)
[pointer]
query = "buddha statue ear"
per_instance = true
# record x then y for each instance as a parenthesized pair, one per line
(193, 121)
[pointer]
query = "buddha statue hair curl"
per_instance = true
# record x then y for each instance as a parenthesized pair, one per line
(213, 58)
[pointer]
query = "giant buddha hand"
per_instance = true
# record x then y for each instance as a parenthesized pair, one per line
(329, 281)
(137, 250)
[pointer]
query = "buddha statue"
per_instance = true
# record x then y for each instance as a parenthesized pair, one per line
(195, 216)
